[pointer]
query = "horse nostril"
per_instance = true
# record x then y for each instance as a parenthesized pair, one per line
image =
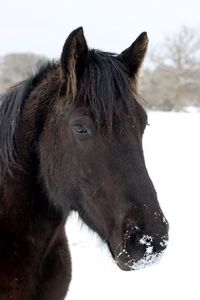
(133, 244)
(132, 239)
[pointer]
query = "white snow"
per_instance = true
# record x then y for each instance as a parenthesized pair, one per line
(149, 259)
(146, 240)
(172, 150)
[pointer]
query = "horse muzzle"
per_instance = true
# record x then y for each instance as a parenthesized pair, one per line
(139, 250)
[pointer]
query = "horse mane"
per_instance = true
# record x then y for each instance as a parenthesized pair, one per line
(11, 104)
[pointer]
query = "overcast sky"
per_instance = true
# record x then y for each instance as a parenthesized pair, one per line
(41, 26)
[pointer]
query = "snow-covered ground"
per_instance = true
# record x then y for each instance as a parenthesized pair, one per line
(172, 151)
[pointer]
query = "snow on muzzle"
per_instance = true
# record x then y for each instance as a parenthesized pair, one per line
(139, 250)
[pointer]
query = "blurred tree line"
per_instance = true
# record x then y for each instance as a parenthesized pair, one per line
(170, 79)
(15, 67)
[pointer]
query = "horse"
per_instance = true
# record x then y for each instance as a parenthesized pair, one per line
(71, 140)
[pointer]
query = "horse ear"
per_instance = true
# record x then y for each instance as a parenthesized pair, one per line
(134, 55)
(74, 58)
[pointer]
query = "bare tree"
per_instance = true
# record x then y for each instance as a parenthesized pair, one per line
(174, 79)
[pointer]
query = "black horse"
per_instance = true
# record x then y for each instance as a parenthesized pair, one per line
(71, 139)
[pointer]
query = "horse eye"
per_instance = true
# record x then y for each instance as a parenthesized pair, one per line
(80, 129)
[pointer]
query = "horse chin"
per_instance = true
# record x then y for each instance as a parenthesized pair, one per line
(120, 259)
(123, 266)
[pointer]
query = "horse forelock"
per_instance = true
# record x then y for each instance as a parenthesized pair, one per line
(106, 88)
